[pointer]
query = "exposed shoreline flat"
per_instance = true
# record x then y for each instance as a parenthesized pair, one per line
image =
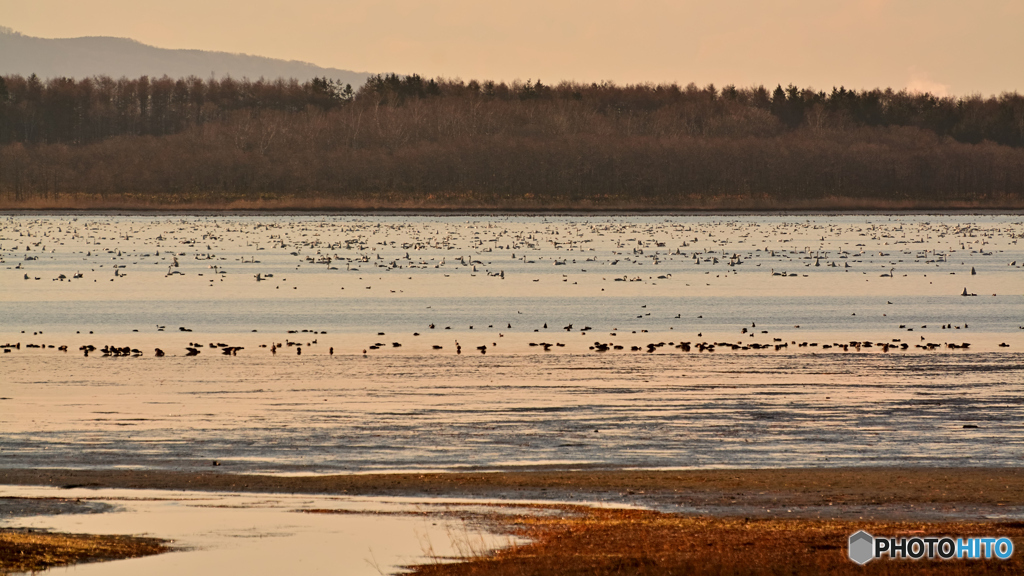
(751, 521)
(904, 492)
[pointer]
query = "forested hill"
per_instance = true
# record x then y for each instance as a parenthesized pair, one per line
(413, 142)
(116, 57)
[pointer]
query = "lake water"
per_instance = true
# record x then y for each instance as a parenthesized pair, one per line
(267, 534)
(414, 342)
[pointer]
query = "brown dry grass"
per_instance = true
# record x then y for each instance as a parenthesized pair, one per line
(608, 541)
(32, 551)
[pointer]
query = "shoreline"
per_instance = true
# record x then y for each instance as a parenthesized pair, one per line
(889, 490)
(289, 210)
(790, 520)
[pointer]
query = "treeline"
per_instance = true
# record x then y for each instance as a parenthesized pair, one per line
(62, 110)
(66, 111)
(406, 141)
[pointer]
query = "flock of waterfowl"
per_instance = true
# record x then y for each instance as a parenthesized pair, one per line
(777, 344)
(361, 244)
(399, 274)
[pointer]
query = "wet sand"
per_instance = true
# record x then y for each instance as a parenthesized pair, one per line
(876, 493)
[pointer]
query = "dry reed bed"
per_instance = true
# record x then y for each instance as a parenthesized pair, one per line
(614, 541)
(24, 551)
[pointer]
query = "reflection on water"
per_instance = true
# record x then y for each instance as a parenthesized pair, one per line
(412, 412)
(265, 534)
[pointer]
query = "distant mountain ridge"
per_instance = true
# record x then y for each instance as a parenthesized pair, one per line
(116, 57)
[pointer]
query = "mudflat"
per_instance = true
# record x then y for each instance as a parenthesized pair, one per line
(840, 488)
(731, 521)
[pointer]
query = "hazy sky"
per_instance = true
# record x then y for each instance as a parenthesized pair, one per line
(945, 46)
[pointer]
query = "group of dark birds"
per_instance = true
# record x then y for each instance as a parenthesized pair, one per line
(113, 350)
(193, 348)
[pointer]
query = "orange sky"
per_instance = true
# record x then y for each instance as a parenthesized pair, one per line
(944, 46)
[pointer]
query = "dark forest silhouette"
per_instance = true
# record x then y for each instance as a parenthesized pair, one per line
(406, 141)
